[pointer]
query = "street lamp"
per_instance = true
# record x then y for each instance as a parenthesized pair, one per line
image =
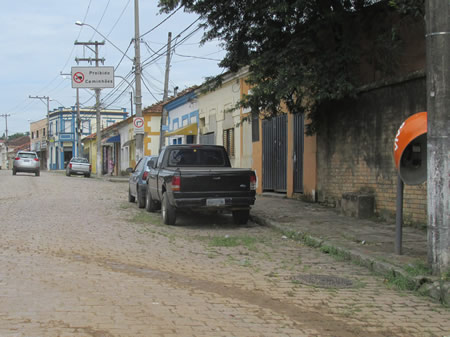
(79, 23)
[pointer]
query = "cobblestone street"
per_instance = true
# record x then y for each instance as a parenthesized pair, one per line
(77, 259)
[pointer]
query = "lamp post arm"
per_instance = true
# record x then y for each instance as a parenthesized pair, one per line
(127, 82)
(103, 36)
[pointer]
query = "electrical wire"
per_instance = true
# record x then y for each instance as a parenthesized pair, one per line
(159, 24)
(124, 54)
(152, 58)
(197, 57)
(117, 21)
(143, 82)
(101, 19)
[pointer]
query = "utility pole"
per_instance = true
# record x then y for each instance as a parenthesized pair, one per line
(166, 91)
(47, 98)
(99, 166)
(131, 100)
(438, 98)
(78, 124)
(6, 134)
(137, 69)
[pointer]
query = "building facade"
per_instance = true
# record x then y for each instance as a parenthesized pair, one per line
(182, 118)
(63, 136)
(38, 140)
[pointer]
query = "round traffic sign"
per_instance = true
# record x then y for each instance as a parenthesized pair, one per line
(78, 77)
(138, 122)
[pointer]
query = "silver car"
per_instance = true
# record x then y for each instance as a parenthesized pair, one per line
(26, 161)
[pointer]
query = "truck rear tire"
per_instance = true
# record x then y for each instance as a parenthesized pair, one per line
(168, 212)
(241, 217)
(150, 205)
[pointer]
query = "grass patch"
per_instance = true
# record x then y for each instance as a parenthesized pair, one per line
(400, 282)
(145, 218)
(336, 253)
(418, 268)
(234, 241)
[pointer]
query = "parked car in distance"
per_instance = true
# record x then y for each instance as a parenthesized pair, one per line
(78, 166)
(137, 188)
(26, 161)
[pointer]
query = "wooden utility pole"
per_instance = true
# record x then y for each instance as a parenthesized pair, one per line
(137, 72)
(47, 99)
(166, 91)
(438, 103)
(99, 165)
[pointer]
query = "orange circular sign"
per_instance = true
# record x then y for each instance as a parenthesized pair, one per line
(415, 126)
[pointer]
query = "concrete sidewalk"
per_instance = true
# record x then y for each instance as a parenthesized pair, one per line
(366, 242)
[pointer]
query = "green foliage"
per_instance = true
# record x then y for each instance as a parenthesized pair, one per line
(300, 53)
(234, 241)
(15, 135)
(409, 7)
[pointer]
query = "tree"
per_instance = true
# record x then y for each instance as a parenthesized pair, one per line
(300, 53)
(17, 135)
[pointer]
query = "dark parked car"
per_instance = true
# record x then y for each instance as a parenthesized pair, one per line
(199, 177)
(26, 161)
(137, 188)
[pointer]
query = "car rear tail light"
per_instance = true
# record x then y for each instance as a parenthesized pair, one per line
(253, 182)
(36, 159)
(70, 165)
(17, 158)
(145, 175)
(176, 183)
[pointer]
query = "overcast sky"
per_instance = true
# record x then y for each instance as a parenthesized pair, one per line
(37, 39)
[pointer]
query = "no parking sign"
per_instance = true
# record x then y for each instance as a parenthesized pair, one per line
(138, 123)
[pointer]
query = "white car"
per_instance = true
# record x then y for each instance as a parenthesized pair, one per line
(26, 161)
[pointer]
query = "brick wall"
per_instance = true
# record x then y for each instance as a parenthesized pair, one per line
(355, 148)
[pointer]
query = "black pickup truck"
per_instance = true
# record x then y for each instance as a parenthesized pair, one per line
(198, 177)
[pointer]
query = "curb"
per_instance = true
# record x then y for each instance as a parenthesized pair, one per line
(428, 286)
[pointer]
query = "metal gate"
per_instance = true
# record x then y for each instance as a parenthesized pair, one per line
(208, 139)
(274, 132)
(299, 132)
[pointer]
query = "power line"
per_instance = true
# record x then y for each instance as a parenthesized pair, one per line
(159, 24)
(197, 57)
(124, 54)
(101, 19)
(143, 77)
(120, 16)
(152, 58)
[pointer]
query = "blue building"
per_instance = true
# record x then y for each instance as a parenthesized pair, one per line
(63, 136)
(182, 118)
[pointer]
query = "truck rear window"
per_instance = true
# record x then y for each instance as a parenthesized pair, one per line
(197, 157)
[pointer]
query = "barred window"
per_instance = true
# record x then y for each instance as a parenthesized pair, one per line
(228, 141)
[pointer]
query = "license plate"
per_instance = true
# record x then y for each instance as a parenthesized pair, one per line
(215, 202)
(26, 160)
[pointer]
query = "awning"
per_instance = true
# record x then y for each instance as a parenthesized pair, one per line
(128, 142)
(188, 130)
(113, 139)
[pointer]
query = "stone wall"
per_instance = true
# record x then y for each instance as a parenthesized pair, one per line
(355, 147)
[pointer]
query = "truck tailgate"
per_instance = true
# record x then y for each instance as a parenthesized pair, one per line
(200, 179)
